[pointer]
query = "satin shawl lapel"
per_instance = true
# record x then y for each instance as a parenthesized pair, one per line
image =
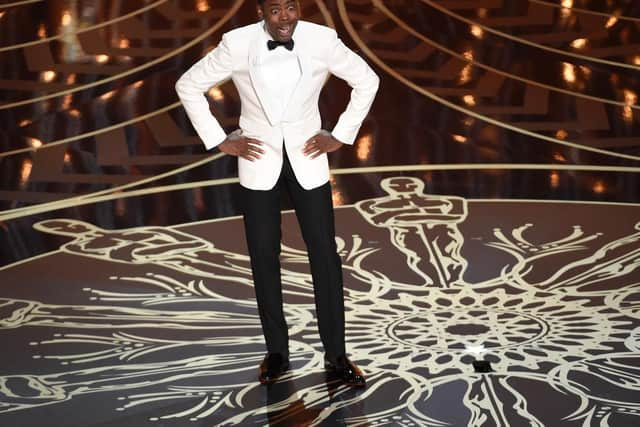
(257, 50)
(303, 86)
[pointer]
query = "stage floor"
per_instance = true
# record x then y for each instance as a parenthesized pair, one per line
(488, 212)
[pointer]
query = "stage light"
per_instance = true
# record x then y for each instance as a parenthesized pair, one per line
(42, 31)
(203, 6)
(25, 172)
(66, 18)
(48, 76)
(459, 138)
(568, 72)
(599, 187)
(579, 43)
(34, 142)
(364, 147)
(477, 31)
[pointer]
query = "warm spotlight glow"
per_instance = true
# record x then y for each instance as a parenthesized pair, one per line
(74, 113)
(48, 76)
(636, 60)
(364, 147)
(565, 12)
(579, 43)
(477, 31)
(108, 95)
(25, 171)
(483, 12)
(71, 79)
(138, 84)
(34, 142)
(336, 194)
(627, 114)
(568, 72)
(562, 134)
(66, 18)
(469, 121)
(554, 179)
(123, 43)
(468, 55)
(459, 138)
(465, 74)
(216, 94)
(469, 100)
(630, 97)
(66, 101)
(611, 22)
(599, 187)
(586, 71)
(42, 31)
(67, 158)
(559, 157)
(202, 5)
(102, 59)
(2, 14)
(24, 123)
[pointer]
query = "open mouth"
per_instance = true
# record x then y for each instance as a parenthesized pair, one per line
(284, 31)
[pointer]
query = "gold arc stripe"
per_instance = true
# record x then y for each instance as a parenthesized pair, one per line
(232, 10)
(19, 3)
(525, 41)
(436, 98)
(8, 215)
(586, 11)
(324, 10)
(91, 133)
(112, 190)
(443, 48)
(84, 30)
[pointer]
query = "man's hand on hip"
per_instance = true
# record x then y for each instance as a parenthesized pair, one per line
(323, 142)
(247, 148)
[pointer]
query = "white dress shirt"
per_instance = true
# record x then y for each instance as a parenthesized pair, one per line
(281, 70)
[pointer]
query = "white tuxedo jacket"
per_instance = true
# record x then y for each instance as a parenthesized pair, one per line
(238, 56)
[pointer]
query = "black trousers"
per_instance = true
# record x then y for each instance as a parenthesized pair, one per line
(314, 211)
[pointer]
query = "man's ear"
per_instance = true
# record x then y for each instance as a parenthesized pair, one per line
(259, 11)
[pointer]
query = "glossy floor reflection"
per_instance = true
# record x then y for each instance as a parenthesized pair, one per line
(507, 129)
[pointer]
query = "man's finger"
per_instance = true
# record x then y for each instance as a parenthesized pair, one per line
(255, 149)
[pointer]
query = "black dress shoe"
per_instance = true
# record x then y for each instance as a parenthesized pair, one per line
(346, 370)
(272, 367)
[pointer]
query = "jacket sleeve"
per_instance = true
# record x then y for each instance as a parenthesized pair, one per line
(348, 66)
(213, 69)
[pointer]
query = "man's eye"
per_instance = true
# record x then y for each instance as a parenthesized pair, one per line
(274, 11)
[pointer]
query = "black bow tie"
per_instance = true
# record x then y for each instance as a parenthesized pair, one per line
(272, 44)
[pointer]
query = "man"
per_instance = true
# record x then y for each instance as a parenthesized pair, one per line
(279, 66)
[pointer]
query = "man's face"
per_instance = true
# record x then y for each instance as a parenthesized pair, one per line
(280, 17)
